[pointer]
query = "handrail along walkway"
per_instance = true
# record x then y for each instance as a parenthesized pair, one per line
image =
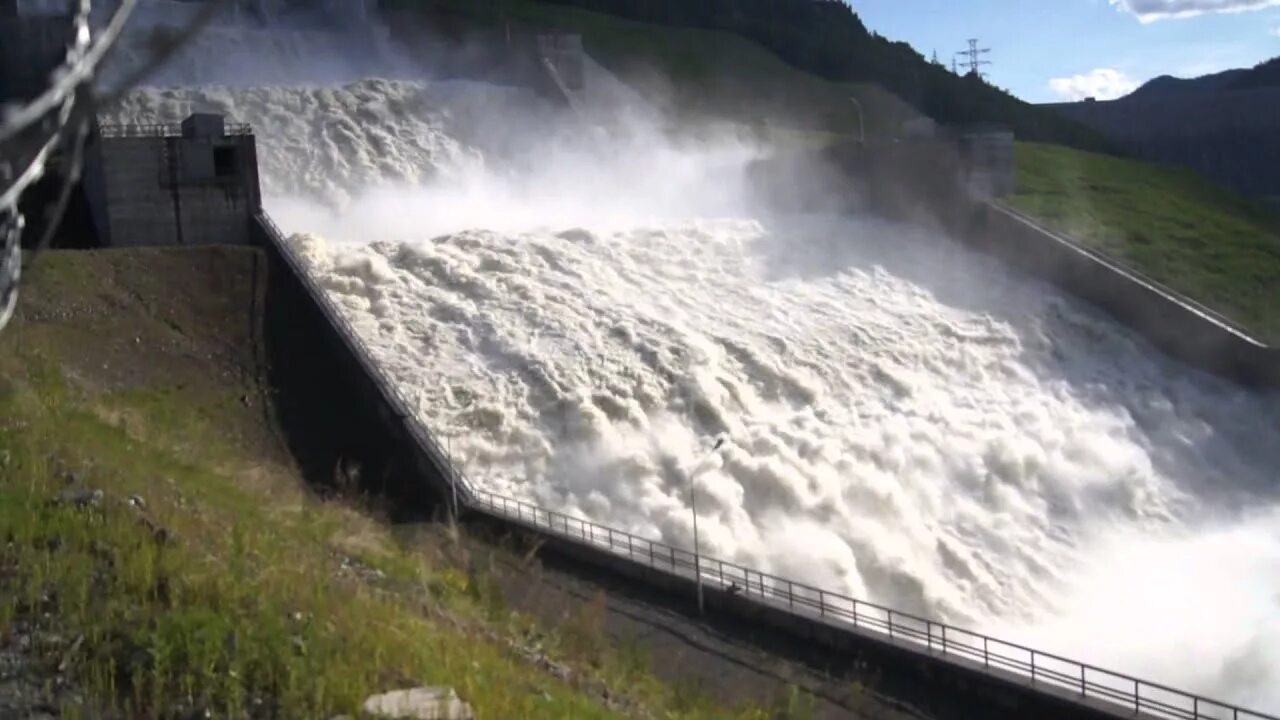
(1046, 670)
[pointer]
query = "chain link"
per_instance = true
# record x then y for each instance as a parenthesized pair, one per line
(32, 133)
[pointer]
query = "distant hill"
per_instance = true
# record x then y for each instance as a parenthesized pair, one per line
(1225, 126)
(1265, 74)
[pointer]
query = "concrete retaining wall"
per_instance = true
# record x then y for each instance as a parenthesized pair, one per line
(1175, 325)
(172, 190)
(341, 419)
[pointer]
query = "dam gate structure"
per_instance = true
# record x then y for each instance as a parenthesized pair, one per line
(191, 184)
(197, 182)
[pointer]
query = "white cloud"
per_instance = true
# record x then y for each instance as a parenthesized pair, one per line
(1152, 10)
(1276, 31)
(1100, 83)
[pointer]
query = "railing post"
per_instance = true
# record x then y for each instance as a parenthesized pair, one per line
(986, 657)
(791, 596)
(1195, 708)
(1033, 668)
(822, 604)
(855, 612)
(890, 624)
(1084, 686)
(1135, 696)
(928, 635)
(631, 550)
(944, 639)
(610, 539)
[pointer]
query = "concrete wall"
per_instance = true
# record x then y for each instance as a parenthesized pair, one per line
(1173, 324)
(170, 191)
(93, 182)
(991, 162)
(338, 413)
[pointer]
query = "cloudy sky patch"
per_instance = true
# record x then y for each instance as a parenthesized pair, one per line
(1099, 83)
(1151, 10)
(1052, 50)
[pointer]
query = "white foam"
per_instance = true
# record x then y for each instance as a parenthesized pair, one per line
(905, 421)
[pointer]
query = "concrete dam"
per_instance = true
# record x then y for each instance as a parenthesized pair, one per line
(574, 321)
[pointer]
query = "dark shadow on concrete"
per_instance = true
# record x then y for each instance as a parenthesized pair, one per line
(73, 230)
(330, 418)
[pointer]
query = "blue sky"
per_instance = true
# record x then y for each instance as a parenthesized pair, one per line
(1050, 50)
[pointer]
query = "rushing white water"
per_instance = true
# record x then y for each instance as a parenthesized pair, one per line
(903, 420)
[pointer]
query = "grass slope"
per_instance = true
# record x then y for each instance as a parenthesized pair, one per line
(1180, 229)
(698, 74)
(205, 578)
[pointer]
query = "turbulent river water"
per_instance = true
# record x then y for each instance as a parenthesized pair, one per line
(584, 305)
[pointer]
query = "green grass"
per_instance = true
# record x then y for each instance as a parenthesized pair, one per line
(242, 604)
(1198, 238)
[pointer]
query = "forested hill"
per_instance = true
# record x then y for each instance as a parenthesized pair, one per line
(828, 39)
(1264, 74)
(823, 38)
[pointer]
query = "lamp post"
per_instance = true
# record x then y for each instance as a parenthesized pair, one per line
(862, 130)
(697, 563)
(697, 553)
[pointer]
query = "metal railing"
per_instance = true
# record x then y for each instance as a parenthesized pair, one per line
(161, 130)
(1041, 670)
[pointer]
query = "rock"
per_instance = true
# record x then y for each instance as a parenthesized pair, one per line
(80, 498)
(424, 703)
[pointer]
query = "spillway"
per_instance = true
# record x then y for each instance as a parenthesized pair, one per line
(584, 307)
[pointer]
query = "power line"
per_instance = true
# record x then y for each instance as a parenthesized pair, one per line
(973, 61)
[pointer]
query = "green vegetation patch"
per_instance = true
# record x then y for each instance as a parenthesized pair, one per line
(1196, 237)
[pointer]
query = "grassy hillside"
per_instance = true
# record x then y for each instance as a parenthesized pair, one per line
(161, 557)
(692, 73)
(1194, 236)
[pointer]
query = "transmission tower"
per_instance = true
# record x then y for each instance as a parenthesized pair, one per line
(973, 61)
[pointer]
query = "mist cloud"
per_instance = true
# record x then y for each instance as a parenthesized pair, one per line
(1100, 83)
(1152, 10)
